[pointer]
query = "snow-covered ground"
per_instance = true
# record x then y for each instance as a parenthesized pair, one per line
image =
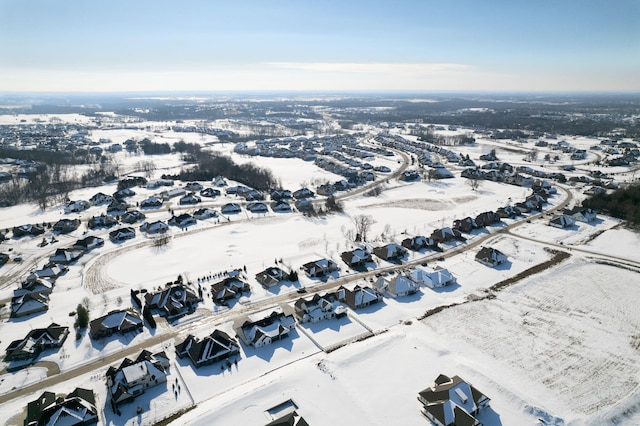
(561, 345)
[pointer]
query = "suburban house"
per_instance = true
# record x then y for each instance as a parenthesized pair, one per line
(193, 186)
(205, 213)
(76, 206)
(303, 193)
(132, 216)
(50, 271)
(228, 288)
(119, 321)
(157, 227)
(33, 230)
(219, 181)
(182, 221)
(173, 302)
(122, 234)
(257, 208)
(398, 286)
(281, 207)
(102, 221)
(88, 243)
(132, 378)
(318, 308)
(581, 214)
(487, 219)
(213, 348)
(172, 193)
(64, 226)
(444, 235)
(35, 286)
(281, 195)
(562, 221)
(439, 277)
(420, 242)
(390, 252)
(151, 203)
(357, 258)
(77, 408)
(65, 256)
(490, 257)
(100, 198)
(267, 330)
(210, 192)
(29, 303)
(508, 212)
(289, 419)
(359, 297)
(189, 199)
(231, 208)
(36, 341)
(466, 225)
(452, 401)
(271, 276)
(319, 268)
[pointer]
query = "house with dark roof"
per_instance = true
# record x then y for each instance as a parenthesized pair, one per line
(29, 303)
(118, 321)
(420, 242)
(39, 285)
(50, 271)
(447, 234)
(319, 268)
(173, 302)
(264, 331)
(88, 243)
(102, 221)
(157, 227)
(231, 208)
(488, 218)
(132, 216)
(213, 348)
(490, 256)
(231, 287)
(356, 258)
(77, 408)
(76, 206)
(182, 221)
(359, 296)
(318, 308)
(289, 419)
(36, 341)
(581, 214)
(64, 226)
(65, 256)
(151, 203)
(19, 231)
(133, 378)
(452, 401)
(122, 234)
(390, 252)
(271, 276)
(562, 221)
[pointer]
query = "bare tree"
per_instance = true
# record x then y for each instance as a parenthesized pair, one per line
(362, 225)
(473, 183)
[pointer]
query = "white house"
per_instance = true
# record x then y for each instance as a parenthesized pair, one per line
(439, 277)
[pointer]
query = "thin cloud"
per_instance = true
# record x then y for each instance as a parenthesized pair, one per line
(371, 68)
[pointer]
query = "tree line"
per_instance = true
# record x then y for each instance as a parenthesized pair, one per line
(623, 203)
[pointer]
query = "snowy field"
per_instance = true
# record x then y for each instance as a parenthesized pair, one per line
(559, 345)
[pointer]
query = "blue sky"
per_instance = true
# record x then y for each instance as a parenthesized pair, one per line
(428, 45)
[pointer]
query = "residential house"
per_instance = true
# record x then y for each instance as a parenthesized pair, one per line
(444, 235)
(50, 271)
(35, 286)
(581, 214)
(357, 258)
(410, 175)
(281, 195)
(508, 212)
(213, 348)
(117, 207)
(231, 208)
(132, 216)
(319, 268)
(132, 378)
(76, 409)
(122, 234)
(172, 193)
(173, 302)
(189, 199)
(100, 198)
(88, 243)
(219, 181)
(65, 256)
(157, 227)
(487, 219)
(490, 256)
(452, 401)
(182, 221)
(205, 213)
(359, 296)
(289, 419)
(439, 277)
(304, 205)
(229, 288)
(102, 221)
(318, 308)
(281, 207)
(123, 193)
(36, 341)
(466, 225)
(64, 226)
(266, 330)
(420, 242)
(210, 193)
(193, 186)
(271, 276)
(562, 221)
(33, 230)
(398, 286)
(303, 193)
(151, 203)
(390, 252)
(76, 206)
(119, 321)
(29, 303)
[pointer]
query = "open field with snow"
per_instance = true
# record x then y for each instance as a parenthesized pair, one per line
(559, 344)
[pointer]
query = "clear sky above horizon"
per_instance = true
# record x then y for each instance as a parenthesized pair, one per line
(428, 45)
